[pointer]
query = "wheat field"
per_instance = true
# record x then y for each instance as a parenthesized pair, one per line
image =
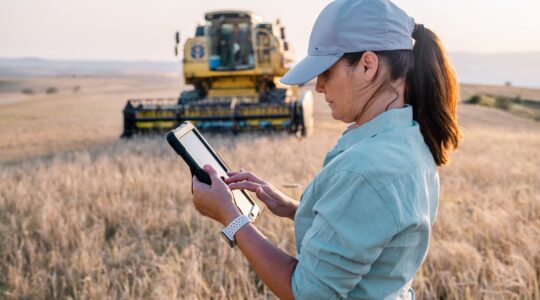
(90, 216)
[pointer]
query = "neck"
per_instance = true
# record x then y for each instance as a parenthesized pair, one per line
(389, 99)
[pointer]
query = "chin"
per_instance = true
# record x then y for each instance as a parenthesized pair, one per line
(335, 116)
(341, 118)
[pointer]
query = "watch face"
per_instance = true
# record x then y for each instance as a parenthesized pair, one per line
(226, 238)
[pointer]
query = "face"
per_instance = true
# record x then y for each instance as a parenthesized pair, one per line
(340, 85)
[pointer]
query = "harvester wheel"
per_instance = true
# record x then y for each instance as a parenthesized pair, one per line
(129, 120)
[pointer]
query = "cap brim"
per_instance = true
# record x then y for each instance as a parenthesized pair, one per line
(308, 68)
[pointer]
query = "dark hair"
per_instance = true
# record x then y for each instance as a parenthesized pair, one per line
(431, 88)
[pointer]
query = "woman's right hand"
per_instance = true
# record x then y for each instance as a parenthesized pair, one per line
(278, 203)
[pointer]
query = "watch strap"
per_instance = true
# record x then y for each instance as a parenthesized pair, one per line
(234, 226)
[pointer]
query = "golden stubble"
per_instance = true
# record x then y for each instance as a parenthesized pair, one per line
(114, 220)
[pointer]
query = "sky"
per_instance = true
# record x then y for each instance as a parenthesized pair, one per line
(144, 29)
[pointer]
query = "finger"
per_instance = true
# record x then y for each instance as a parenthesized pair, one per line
(228, 179)
(255, 178)
(236, 172)
(244, 185)
(264, 197)
(231, 173)
(241, 176)
(236, 176)
(271, 192)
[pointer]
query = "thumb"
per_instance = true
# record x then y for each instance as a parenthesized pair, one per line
(196, 185)
(211, 172)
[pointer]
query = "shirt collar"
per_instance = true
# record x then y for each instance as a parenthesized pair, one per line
(393, 118)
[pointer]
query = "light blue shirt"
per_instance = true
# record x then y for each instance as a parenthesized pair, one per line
(363, 224)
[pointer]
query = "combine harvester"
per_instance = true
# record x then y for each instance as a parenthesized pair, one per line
(234, 63)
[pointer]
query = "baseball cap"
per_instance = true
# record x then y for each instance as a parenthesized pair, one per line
(346, 26)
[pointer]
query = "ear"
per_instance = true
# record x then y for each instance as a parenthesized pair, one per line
(369, 64)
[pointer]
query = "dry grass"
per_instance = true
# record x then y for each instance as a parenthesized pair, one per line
(41, 124)
(117, 221)
(113, 219)
(487, 238)
(468, 90)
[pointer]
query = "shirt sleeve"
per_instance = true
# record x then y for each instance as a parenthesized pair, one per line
(351, 227)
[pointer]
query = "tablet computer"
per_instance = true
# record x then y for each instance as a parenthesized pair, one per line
(189, 143)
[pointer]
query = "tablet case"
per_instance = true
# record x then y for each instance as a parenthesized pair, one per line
(201, 175)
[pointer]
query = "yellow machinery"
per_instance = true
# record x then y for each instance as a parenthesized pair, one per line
(234, 63)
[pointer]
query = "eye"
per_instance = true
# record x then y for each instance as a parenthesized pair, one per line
(325, 73)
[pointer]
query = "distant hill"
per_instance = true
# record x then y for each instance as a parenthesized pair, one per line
(519, 69)
(23, 67)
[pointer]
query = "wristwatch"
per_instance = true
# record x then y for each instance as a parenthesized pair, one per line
(228, 232)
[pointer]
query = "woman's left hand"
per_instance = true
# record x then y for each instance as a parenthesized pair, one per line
(216, 200)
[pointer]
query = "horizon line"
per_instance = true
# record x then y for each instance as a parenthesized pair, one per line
(43, 58)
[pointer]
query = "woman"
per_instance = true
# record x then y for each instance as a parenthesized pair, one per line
(363, 223)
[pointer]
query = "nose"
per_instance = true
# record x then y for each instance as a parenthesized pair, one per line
(319, 86)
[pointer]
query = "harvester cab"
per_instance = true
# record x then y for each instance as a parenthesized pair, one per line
(234, 63)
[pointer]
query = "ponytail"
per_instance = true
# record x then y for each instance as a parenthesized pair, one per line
(432, 90)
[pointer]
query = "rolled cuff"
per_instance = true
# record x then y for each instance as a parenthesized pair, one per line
(306, 286)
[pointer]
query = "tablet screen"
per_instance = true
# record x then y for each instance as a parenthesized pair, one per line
(203, 156)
